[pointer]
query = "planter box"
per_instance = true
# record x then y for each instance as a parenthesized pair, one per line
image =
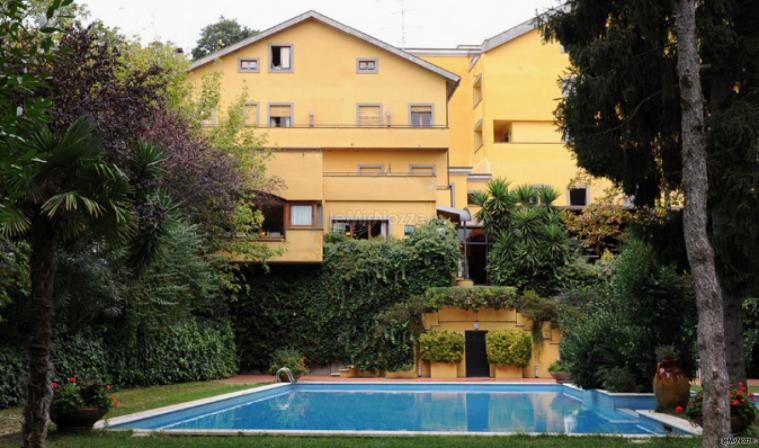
(349, 372)
(411, 373)
(443, 370)
(508, 372)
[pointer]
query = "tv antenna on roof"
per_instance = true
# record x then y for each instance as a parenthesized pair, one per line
(402, 12)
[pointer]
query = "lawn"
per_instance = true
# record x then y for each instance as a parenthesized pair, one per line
(140, 399)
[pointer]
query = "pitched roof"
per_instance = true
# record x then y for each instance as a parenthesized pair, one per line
(509, 35)
(451, 77)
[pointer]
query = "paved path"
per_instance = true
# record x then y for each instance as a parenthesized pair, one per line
(252, 379)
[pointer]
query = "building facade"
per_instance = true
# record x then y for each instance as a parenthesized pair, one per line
(372, 140)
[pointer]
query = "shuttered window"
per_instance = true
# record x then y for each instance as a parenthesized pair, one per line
(250, 114)
(369, 116)
(421, 116)
(280, 116)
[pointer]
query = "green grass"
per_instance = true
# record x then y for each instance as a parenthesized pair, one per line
(140, 399)
(121, 440)
(136, 400)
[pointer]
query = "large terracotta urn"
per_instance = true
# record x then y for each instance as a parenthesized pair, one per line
(671, 385)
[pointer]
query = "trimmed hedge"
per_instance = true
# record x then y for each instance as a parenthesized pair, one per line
(508, 347)
(441, 346)
(188, 351)
(472, 299)
(332, 312)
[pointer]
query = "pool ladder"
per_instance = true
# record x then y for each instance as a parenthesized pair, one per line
(290, 377)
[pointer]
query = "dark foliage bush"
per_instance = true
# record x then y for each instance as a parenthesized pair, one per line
(610, 340)
(12, 377)
(331, 312)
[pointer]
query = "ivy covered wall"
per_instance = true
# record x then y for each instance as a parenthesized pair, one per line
(331, 312)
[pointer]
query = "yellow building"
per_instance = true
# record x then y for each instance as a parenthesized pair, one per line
(359, 130)
(372, 140)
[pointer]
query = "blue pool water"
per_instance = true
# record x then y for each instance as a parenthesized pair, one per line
(415, 407)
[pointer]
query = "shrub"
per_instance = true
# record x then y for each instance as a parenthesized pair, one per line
(441, 346)
(610, 340)
(290, 358)
(741, 404)
(556, 367)
(72, 394)
(508, 347)
(83, 355)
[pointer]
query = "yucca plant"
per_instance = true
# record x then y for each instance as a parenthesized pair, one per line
(67, 190)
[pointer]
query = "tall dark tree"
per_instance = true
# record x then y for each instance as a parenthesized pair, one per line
(622, 119)
(220, 34)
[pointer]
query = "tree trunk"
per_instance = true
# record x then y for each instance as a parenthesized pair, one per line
(733, 312)
(711, 332)
(39, 391)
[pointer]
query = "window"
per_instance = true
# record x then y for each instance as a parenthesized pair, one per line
(371, 170)
(567, 84)
(301, 215)
(250, 114)
(477, 91)
(361, 229)
(273, 226)
(421, 170)
(280, 115)
(281, 58)
(578, 197)
(478, 138)
(248, 65)
(212, 118)
(366, 65)
(420, 116)
(471, 197)
(369, 115)
(502, 131)
(408, 229)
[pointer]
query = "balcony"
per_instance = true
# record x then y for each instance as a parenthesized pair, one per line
(379, 187)
(358, 137)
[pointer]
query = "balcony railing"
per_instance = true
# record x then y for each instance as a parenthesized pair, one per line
(379, 187)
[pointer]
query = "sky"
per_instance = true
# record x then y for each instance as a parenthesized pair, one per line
(428, 23)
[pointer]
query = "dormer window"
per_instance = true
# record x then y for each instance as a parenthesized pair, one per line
(281, 58)
(248, 65)
(366, 65)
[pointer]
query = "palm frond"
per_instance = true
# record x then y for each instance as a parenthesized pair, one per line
(13, 221)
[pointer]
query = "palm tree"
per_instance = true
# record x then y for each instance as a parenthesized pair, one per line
(67, 190)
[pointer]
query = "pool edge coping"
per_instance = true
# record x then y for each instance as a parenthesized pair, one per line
(105, 424)
(671, 420)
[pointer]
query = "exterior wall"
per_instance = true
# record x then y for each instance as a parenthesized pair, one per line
(324, 80)
(460, 321)
(317, 159)
(520, 84)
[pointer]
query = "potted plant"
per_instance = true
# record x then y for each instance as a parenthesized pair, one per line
(556, 370)
(671, 385)
(290, 358)
(743, 411)
(509, 351)
(443, 350)
(78, 406)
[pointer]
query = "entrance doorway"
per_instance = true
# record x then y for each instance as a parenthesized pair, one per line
(476, 358)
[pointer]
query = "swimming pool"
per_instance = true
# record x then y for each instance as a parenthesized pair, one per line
(410, 408)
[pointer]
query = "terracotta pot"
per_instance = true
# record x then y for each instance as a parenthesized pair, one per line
(560, 377)
(80, 419)
(671, 386)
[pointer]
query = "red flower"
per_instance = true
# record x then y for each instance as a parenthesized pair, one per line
(678, 409)
(115, 401)
(72, 379)
(751, 395)
(107, 387)
(56, 385)
(734, 403)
